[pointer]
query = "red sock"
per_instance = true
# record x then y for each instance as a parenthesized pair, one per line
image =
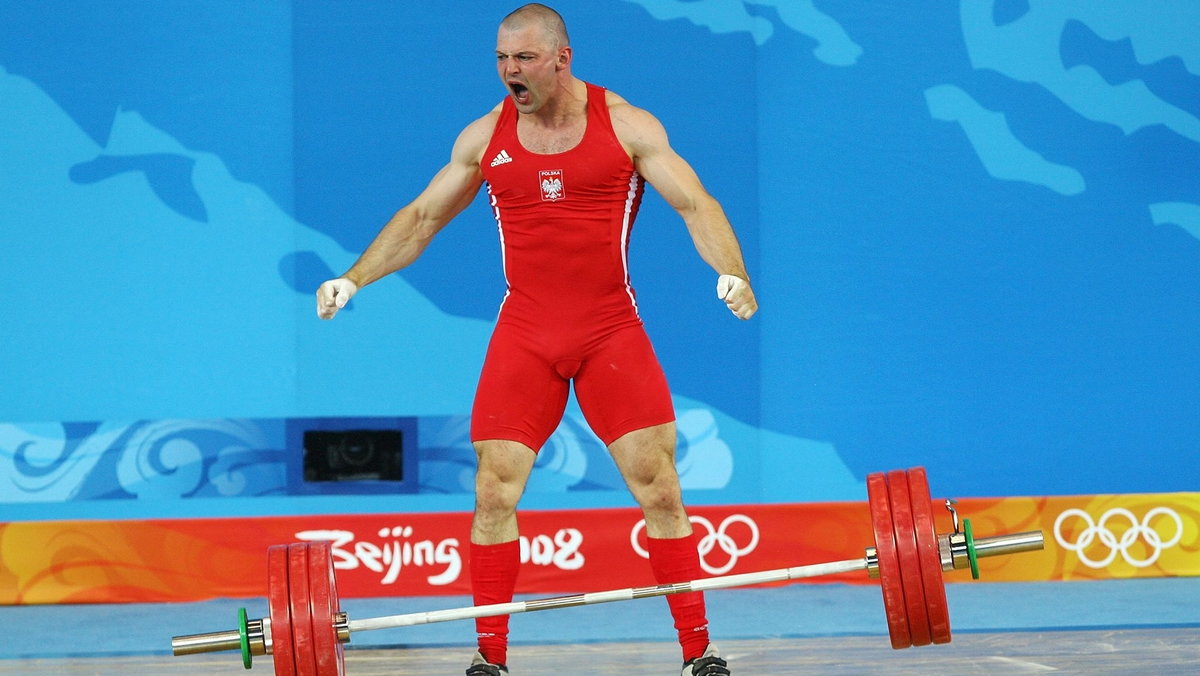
(676, 560)
(493, 579)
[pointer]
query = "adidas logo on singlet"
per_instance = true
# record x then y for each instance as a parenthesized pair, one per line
(501, 157)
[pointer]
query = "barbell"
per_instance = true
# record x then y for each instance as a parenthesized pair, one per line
(306, 630)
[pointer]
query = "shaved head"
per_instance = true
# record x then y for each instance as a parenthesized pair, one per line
(538, 14)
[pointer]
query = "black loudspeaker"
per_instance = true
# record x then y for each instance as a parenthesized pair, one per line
(353, 455)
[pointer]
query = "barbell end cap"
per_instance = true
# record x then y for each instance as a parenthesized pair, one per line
(221, 641)
(957, 556)
(217, 641)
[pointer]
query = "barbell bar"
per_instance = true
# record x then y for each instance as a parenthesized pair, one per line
(306, 630)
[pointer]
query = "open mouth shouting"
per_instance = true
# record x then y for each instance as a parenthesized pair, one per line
(520, 92)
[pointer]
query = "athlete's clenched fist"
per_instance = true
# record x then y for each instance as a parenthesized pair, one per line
(333, 296)
(738, 296)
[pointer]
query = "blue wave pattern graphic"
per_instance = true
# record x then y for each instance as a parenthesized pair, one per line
(183, 459)
(144, 460)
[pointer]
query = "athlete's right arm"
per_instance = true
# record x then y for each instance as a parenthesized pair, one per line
(410, 230)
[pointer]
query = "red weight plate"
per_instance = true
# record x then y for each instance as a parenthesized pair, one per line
(931, 559)
(323, 598)
(889, 566)
(302, 628)
(281, 612)
(906, 553)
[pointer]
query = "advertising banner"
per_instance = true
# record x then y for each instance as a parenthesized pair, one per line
(570, 551)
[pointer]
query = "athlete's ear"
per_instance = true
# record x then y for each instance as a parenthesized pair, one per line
(564, 58)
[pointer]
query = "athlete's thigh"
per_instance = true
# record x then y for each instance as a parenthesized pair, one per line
(621, 386)
(519, 397)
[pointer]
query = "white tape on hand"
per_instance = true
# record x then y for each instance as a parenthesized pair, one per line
(726, 284)
(738, 296)
(333, 296)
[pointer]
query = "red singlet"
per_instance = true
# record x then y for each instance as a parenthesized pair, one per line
(569, 312)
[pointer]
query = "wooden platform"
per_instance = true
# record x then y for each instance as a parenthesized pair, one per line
(1133, 651)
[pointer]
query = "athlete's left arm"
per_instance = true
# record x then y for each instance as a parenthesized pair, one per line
(646, 141)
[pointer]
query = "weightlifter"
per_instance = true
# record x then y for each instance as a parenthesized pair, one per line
(565, 163)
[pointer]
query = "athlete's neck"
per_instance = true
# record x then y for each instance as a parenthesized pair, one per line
(565, 107)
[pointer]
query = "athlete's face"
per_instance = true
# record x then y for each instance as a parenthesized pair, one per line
(529, 61)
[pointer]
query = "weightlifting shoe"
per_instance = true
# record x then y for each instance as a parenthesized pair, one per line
(481, 667)
(708, 664)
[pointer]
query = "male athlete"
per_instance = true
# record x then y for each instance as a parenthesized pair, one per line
(564, 163)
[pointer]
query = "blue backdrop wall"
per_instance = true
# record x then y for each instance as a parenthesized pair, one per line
(974, 229)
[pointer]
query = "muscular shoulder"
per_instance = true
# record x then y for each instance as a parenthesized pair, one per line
(474, 139)
(639, 131)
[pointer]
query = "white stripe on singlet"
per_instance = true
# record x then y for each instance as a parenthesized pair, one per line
(630, 197)
(503, 259)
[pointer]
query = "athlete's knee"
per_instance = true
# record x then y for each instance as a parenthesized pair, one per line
(493, 494)
(659, 492)
(662, 507)
(503, 469)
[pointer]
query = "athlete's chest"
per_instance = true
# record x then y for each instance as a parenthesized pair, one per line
(545, 140)
(578, 163)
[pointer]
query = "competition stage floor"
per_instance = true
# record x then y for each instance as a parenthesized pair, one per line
(1110, 627)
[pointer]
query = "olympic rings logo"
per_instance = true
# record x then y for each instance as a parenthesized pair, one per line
(1138, 530)
(712, 539)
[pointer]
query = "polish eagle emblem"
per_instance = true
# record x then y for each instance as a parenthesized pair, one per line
(552, 185)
